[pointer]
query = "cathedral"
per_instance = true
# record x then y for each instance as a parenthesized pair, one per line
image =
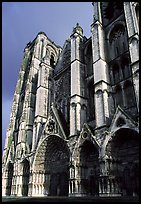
(74, 123)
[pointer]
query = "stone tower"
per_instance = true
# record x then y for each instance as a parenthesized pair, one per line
(74, 120)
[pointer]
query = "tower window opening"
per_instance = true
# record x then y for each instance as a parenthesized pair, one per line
(52, 61)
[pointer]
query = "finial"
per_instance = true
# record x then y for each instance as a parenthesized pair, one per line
(78, 29)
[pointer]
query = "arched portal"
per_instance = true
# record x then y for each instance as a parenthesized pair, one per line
(123, 162)
(89, 167)
(26, 172)
(52, 162)
(9, 178)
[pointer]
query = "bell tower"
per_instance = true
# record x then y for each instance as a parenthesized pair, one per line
(47, 53)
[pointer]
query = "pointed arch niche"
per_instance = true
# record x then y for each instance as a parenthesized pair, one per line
(89, 169)
(122, 157)
(25, 178)
(51, 168)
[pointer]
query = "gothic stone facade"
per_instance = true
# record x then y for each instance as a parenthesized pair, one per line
(74, 121)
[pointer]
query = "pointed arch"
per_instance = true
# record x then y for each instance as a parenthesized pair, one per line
(117, 37)
(119, 96)
(52, 60)
(89, 168)
(122, 151)
(110, 11)
(53, 156)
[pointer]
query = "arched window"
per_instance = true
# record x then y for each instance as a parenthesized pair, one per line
(116, 74)
(52, 61)
(118, 40)
(110, 11)
(119, 97)
(129, 94)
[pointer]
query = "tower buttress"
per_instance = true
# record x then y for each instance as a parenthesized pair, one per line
(100, 69)
(78, 101)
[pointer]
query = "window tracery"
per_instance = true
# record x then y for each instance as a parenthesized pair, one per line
(110, 11)
(118, 40)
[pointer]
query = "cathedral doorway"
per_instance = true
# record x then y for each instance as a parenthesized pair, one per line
(123, 150)
(9, 178)
(89, 167)
(26, 171)
(53, 159)
(58, 183)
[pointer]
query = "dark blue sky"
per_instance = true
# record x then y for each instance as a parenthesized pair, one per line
(21, 22)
